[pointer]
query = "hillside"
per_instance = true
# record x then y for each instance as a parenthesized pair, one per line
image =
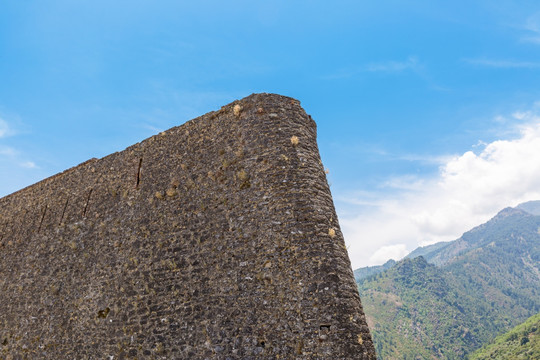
(427, 251)
(532, 207)
(368, 271)
(461, 294)
(412, 310)
(507, 224)
(522, 342)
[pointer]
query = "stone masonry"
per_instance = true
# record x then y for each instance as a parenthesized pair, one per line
(217, 239)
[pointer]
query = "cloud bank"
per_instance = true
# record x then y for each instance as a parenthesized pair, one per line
(468, 190)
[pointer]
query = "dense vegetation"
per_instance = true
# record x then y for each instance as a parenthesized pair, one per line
(459, 295)
(412, 313)
(522, 342)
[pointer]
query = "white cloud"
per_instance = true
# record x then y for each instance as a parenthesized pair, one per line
(7, 151)
(532, 26)
(395, 252)
(28, 165)
(392, 66)
(468, 190)
(406, 182)
(9, 155)
(385, 66)
(532, 39)
(4, 128)
(426, 159)
(503, 64)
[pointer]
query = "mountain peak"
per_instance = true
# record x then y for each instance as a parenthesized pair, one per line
(509, 211)
(532, 207)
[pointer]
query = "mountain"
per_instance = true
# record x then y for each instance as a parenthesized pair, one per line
(507, 224)
(459, 295)
(426, 251)
(413, 312)
(367, 271)
(532, 207)
(522, 342)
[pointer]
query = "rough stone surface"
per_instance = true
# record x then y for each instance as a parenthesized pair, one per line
(217, 239)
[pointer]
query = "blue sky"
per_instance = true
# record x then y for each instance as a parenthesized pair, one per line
(427, 111)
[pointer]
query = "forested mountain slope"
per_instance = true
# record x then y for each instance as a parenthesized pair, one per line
(522, 342)
(460, 295)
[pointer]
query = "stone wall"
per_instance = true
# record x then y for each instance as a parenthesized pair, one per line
(217, 239)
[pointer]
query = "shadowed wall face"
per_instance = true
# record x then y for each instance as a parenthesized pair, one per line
(215, 239)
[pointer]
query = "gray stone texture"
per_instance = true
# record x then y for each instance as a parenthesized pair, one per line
(217, 239)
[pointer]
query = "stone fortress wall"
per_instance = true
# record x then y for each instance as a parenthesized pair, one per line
(217, 239)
